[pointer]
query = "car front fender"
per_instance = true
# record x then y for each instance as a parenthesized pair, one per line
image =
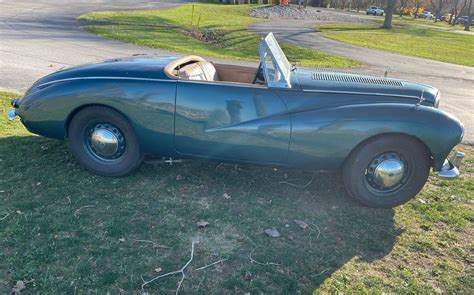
(323, 138)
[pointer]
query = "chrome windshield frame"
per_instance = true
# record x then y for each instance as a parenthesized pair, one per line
(270, 47)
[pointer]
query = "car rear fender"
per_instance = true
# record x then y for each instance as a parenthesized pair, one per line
(148, 105)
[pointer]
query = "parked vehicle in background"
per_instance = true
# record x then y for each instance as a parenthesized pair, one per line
(426, 15)
(447, 17)
(463, 19)
(374, 10)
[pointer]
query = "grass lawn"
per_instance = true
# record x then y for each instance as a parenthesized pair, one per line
(407, 37)
(170, 29)
(64, 230)
(409, 20)
(426, 22)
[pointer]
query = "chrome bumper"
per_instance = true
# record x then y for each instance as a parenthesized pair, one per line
(448, 170)
(450, 167)
(11, 115)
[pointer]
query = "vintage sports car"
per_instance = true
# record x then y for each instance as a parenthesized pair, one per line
(383, 133)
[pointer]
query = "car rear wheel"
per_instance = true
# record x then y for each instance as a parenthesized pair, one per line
(387, 171)
(104, 142)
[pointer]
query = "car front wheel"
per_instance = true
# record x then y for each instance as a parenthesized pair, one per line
(387, 171)
(103, 141)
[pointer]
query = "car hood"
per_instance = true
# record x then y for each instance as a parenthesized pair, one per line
(331, 81)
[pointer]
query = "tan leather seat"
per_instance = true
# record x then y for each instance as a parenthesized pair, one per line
(203, 70)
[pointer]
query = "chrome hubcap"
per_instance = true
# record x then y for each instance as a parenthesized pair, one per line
(105, 141)
(387, 172)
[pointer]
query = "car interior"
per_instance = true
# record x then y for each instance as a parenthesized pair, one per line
(193, 67)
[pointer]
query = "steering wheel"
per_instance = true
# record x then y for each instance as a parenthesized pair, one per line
(257, 73)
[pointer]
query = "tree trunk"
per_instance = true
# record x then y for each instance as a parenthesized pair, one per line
(403, 3)
(467, 25)
(451, 18)
(417, 8)
(387, 24)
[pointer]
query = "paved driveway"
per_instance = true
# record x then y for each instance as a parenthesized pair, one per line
(38, 37)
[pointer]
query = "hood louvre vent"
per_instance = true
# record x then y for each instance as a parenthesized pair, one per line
(355, 79)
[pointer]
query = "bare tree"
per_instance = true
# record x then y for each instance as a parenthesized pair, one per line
(438, 6)
(387, 24)
(459, 6)
(467, 24)
(358, 4)
(403, 5)
(418, 4)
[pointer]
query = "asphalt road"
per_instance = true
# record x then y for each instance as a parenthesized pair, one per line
(38, 37)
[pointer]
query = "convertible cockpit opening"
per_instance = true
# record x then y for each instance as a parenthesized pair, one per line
(193, 67)
(274, 69)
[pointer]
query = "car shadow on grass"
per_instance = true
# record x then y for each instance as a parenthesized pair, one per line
(68, 229)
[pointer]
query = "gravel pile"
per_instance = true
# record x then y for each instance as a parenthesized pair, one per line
(310, 13)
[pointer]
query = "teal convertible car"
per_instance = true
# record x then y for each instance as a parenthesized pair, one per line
(385, 134)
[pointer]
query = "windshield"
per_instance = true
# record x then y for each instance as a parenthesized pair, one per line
(276, 66)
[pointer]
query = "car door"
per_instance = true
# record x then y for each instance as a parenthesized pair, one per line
(231, 121)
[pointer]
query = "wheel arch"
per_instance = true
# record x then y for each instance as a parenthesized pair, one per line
(377, 136)
(85, 106)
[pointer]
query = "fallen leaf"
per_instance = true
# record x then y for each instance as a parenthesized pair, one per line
(248, 276)
(20, 285)
(227, 196)
(202, 223)
(301, 224)
(272, 232)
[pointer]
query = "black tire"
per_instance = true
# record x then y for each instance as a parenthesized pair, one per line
(121, 162)
(358, 178)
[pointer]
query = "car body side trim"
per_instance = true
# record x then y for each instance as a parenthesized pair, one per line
(104, 78)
